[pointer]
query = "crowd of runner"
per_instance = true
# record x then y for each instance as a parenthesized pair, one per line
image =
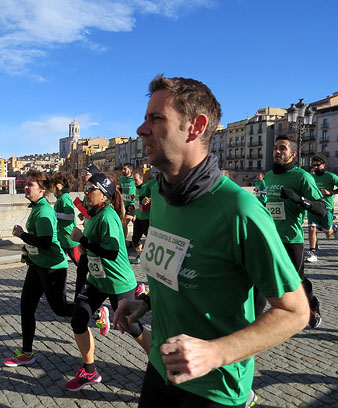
(215, 256)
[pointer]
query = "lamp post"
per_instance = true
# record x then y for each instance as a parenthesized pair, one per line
(300, 116)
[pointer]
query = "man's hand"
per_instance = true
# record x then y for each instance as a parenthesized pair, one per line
(76, 234)
(128, 311)
(17, 231)
(326, 192)
(287, 193)
(81, 217)
(188, 357)
(146, 200)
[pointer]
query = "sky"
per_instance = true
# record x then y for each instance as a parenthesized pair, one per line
(93, 61)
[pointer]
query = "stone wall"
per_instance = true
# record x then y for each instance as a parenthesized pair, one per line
(14, 210)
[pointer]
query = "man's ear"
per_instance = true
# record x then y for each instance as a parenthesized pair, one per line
(198, 126)
(293, 154)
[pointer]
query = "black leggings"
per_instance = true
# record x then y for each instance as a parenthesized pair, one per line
(156, 393)
(81, 274)
(90, 299)
(296, 254)
(140, 227)
(38, 280)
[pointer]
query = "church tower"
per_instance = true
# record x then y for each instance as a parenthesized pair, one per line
(66, 143)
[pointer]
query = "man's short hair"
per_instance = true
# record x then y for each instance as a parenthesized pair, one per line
(129, 165)
(191, 99)
(292, 141)
(319, 157)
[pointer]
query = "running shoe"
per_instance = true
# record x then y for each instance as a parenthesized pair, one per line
(310, 256)
(315, 317)
(103, 322)
(82, 378)
(19, 359)
(135, 261)
(141, 288)
(251, 400)
(335, 231)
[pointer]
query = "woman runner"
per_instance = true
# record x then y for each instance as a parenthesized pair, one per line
(65, 214)
(47, 265)
(110, 275)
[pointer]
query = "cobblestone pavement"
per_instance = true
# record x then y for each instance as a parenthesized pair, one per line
(301, 372)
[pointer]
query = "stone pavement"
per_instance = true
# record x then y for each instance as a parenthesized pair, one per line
(301, 372)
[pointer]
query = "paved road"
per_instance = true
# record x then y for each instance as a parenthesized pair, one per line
(299, 373)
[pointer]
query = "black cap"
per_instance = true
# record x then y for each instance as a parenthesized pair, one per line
(104, 184)
(92, 169)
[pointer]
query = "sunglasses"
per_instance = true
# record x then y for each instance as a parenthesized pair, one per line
(317, 165)
(89, 189)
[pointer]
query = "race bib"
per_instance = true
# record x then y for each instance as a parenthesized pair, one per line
(95, 267)
(163, 255)
(32, 249)
(137, 204)
(127, 197)
(276, 210)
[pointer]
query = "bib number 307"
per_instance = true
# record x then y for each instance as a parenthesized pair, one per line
(163, 255)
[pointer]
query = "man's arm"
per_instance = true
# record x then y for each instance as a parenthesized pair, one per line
(188, 357)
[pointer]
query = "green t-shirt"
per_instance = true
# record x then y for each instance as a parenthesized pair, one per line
(141, 192)
(260, 185)
(127, 188)
(233, 245)
(112, 277)
(327, 181)
(42, 222)
(289, 216)
(64, 204)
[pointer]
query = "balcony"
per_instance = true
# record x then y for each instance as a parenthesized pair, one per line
(254, 156)
(255, 143)
(324, 140)
(326, 154)
(230, 144)
(308, 138)
(324, 126)
(283, 131)
(230, 157)
(308, 152)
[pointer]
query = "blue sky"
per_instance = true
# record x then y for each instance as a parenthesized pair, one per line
(93, 61)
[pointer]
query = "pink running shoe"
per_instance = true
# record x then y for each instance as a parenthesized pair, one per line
(82, 378)
(19, 359)
(103, 323)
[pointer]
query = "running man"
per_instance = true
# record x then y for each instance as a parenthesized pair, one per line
(286, 187)
(260, 188)
(142, 212)
(202, 262)
(127, 189)
(326, 182)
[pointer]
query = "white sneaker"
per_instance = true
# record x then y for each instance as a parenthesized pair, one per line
(310, 256)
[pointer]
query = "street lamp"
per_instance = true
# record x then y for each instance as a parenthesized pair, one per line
(300, 116)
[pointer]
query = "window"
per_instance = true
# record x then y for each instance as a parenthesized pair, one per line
(325, 123)
(242, 140)
(324, 135)
(230, 165)
(280, 125)
(236, 164)
(250, 164)
(260, 128)
(259, 164)
(251, 130)
(237, 140)
(241, 165)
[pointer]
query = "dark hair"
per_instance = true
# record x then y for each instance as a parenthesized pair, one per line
(129, 165)
(66, 179)
(191, 99)
(319, 157)
(292, 141)
(92, 169)
(41, 179)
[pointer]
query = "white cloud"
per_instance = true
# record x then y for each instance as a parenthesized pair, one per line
(57, 125)
(30, 28)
